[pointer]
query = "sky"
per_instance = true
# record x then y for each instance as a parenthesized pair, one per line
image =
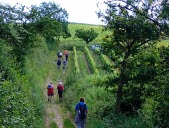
(80, 11)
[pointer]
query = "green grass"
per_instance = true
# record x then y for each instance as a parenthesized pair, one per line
(74, 26)
(98, 28)
(98, 62)
(53, 125)
(163, 43)
(68, 124)
(82, 64)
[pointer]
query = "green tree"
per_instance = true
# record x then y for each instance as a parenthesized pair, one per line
(13, 24)
(134, 28)
(86, 35)
(161, 112)
(49, 28)
(53, 11)
(19, 26)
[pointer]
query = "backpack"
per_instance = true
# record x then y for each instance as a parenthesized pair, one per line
(59, 62)
(82, 111)
(60, 87)
(64, 62)
(60, 54)
(49, 86)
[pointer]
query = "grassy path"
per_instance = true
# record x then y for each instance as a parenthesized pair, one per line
(83, 65)
(53, 118)
(55, 114)
(99, 63)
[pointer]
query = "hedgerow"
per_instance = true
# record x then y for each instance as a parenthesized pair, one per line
(76, 60)
(91, 61)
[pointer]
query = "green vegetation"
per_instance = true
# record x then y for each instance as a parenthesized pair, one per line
(124, 86)
(75, 61)
(74, 26)
(25, 62)
(86, 35)
(53, 125)
(68, 124)
(91, 61)
(132, 33)
(98, 28)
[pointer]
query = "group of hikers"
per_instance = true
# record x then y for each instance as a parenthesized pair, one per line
(50, 90)
(59, 61)
(81, 109)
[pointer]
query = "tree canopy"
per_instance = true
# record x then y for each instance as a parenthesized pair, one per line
(86, 35)
(135, 25)
(19, 26)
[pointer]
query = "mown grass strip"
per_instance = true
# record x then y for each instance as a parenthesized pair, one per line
(84, 69)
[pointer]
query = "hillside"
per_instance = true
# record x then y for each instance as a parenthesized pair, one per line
(124, 79)
(98, 28)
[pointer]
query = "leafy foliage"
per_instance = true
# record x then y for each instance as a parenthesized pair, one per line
(133, 29)
(23, 51)
(86, 35)
(20, 25)
(92, 63)
(76, 61)
(54, 12)
(49, 28)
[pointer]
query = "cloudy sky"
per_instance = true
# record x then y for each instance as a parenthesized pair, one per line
(80, 11)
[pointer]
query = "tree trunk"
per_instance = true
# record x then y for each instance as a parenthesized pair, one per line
(122, 81)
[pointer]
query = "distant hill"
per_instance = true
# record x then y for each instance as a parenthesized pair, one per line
(74, 26)
(85, 24)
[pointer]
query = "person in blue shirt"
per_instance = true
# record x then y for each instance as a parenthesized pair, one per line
(81, 111)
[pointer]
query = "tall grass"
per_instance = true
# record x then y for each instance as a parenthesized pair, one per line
(53, 125)
(22, 100)
(100, 101)
(40, 65)
(84, 69)
(95, 97)
(68, 124)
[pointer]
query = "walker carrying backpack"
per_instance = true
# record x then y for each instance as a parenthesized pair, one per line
(60, 87)
(82, 111)
(59, 62)
(49, 86)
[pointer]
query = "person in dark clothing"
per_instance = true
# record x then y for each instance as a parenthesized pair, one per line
(60, 54)
(60, 88)
(59, 63)
(64, 64)
(66, 54)
(81, 122)
(50, 91)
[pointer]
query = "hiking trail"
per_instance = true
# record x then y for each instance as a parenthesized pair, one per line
(52, 115)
